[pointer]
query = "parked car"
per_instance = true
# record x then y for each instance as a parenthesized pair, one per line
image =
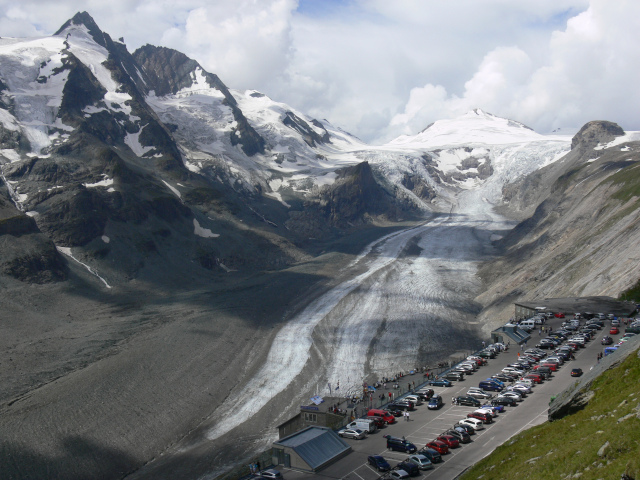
(440, 447)
(490, 385)
(472, 422)
(497, 408)
(576, 372)
(431, 454)
(400, 444)
(435, 402)
(478, 393)
(484, 417)
(614, 331)
(504, 401)
(421, 461)
(384, 415)
(411, 468)
(453, 376)
(450, 440)
(467, 428)
(403, 404)
(399, 475)
(462, 436)
(558, 315)
(271, 473)
(425, 393)
(516, 396)
(466, 400)
(440, 382)
(354, 433)
(379, 463)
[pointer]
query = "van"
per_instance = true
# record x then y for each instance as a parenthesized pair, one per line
(401, 445)
(363, 424)
(383, 414)
(529, 323)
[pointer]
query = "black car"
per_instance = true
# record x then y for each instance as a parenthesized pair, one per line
(402, 405)
(379, 463)
(504, 401)
(394, 410)
(455, 376)
(606, 340)
(576, 372)
(467, 428)
(411, 468)
(425, 394)
(463, 437)
(431, 454)
(466, 400)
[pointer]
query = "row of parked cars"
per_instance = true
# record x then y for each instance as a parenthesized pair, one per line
(460, 433)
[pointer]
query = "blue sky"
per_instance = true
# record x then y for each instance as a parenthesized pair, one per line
(381, 68)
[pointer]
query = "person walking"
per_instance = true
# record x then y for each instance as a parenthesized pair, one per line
(408, 419)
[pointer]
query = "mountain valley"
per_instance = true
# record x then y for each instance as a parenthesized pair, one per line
(182, 262)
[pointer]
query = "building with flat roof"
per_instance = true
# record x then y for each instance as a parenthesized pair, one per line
(310, 449)
(510, 333)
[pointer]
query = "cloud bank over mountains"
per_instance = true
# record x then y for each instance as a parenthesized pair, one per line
(380, 69)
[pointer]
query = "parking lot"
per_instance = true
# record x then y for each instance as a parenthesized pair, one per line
(425, 425)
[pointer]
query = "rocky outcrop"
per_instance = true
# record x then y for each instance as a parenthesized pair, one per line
(27, 254)
(594, 133)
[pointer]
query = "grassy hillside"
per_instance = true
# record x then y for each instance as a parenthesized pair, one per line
(602, 441)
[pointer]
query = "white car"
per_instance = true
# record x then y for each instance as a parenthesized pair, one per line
(472, 422)
(527, 382)
(414, 399)
(518, 390)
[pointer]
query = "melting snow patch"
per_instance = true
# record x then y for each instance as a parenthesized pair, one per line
(32, 213)
(102, 183)
(626, 149)
(11, 154)
(203, 232)
(105, 239)
(173, 189)
(133, 142)
(278, 197)
(67, 251)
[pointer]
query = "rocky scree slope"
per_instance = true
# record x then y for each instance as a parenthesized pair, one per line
(582, 230)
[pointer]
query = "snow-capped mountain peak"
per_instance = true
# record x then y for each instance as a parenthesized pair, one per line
(475, 126)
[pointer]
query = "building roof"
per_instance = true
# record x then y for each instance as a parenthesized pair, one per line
(513, 332)
(316, 446)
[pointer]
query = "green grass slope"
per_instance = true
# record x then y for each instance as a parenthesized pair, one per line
(601, 441)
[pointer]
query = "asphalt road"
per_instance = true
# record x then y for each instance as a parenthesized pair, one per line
(425, 425)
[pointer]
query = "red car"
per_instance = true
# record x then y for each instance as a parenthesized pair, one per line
(450, 440)
(558, 315)
(534, 377)
(614, 331)
(483, 417)
(439, 447)
(552, 366)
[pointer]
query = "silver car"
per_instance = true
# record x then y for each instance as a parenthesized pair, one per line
(421, 461)
(352, 433)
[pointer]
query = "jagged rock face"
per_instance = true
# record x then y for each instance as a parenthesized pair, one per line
(593, 133)
(311, 137)
(168, 71)
(27, 254)
(356, 198)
